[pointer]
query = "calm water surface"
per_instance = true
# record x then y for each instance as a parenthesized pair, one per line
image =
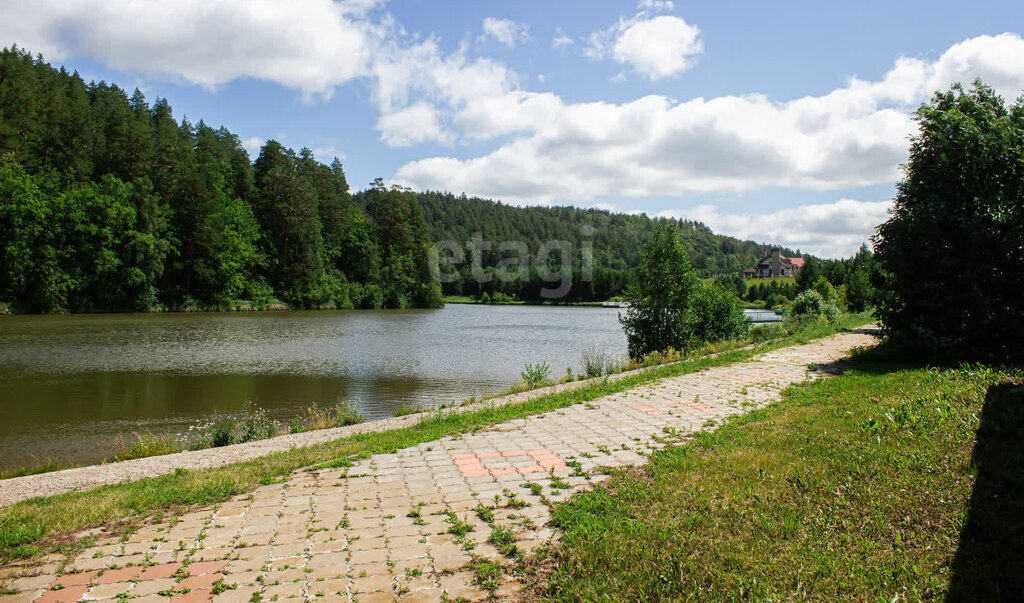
(69, 385)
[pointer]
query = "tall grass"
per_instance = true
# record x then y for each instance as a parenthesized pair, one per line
(314, 417)
(141, 446)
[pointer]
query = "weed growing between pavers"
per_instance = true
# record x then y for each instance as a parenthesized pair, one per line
(856, 487)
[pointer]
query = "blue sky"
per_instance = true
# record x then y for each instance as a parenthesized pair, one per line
(781, 122)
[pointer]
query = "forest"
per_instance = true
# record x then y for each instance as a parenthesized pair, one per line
(109, 203)
(612, 240)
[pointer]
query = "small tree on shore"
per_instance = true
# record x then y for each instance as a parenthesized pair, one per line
(659, 297)
(952, 255)
(670, 307)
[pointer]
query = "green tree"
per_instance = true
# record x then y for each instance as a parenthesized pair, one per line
(951, 254)
(660, 296)
(401, 233)
(808, 275)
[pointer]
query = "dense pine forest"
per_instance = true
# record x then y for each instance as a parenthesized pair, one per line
(108, 202)
(612, 240)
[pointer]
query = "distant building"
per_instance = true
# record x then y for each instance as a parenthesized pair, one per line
(774, 264)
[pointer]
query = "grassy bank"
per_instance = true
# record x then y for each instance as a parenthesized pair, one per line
(33, 526)
(867, 486)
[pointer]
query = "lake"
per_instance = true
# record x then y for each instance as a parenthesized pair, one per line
(70, 385)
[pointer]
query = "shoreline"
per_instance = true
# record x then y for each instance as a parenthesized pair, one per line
(88, 477)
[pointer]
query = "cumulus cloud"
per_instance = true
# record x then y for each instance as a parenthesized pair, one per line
(506, 31)
(656, 47)
(826, 230)
(309, 45)
(415, 123)
(656, 146)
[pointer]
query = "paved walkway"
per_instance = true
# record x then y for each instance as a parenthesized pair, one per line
(425, 523)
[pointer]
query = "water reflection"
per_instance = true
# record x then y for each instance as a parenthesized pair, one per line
(70, 384)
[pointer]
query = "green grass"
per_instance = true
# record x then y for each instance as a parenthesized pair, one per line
(41, 522)
(852, 488)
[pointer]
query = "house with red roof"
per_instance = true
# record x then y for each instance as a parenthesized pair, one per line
(774, 264)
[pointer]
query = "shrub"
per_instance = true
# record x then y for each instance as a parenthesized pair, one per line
(405, 410)
(810, 306)
(341, 414)
(950, 285)
(595, 362)
(221, 429)
(144, 445)
(715, 314)
(762, 333)
(536, 375)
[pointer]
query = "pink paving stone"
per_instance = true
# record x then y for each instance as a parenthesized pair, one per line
(76, 579)
(118, 575)
(514, 453)
(698, 406)
(154, 572)
(467, 464)
(487, 455)
(206, 567)
(66, 594)
(202, 582)
(475, 472)
(534, 469)
(464, 455)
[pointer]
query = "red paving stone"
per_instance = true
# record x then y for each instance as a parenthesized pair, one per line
(67, 594)
(154, 572)
(118, 575)
(471, 465)
(76, 579)
(664, 408)
(202, 582)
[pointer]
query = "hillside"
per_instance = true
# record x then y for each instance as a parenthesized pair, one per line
(615, 238)
(109, 203)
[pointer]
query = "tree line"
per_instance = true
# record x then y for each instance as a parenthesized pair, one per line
(110, 203)
(612, 240)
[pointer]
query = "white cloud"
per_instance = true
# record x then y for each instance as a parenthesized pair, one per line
(309, 45)
(328, 154)
(658, 48)
(655, 5)
(825, 230)
(653, 46)
(506, 31)
(412, 124)
(655, 146)
(560, 39)
(252, 145)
